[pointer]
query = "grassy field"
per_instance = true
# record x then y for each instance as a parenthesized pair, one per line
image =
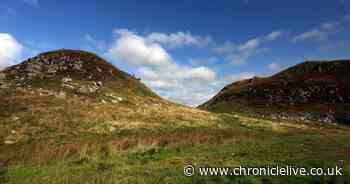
(124, 136)
(158, 155)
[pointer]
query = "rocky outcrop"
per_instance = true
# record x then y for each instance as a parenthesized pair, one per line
(326, 92)
(311, 91)
(67, 74)
(82, 65)
(3, 84)
(89, 88)
(2, 76)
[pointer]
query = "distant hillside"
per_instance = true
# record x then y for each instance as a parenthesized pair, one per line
(310, 91)
(73, 93)
(71, 117)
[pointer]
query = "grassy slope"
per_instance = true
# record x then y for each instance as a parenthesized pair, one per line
(237, 97)
(72, 142)
(144, 139)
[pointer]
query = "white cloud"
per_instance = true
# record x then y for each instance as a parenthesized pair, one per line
(186, 84)
(134, 49)
(34, 47)
(240, 58)
(347, 17)
(202, 61)
(175, 40)
(225, 48)
(330, 26)
(274, 35)
(98, 45)
(197, 93)
(274, 66)
(323, 31)
(342, 45)
(311, 35)
(34, 3)
(181, 83)
(6, 11)
(250, 45)
(235, 77)
(201, 74)
(239, 53)
(318, 34)
(10, 50)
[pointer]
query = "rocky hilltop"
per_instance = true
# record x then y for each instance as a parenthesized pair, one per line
(68, 67)
(310, 91)
(66, 94)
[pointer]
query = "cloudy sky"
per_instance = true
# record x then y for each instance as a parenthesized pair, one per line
(185, 50)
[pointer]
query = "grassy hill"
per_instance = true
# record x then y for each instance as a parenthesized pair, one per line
(70, 117)
(310, 91)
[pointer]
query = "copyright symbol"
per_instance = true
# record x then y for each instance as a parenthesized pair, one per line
(188, 170)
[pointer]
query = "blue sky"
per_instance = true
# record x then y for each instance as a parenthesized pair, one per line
(185, 50)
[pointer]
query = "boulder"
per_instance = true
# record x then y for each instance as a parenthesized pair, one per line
(88, 89)
(10, 142)
(3, 85)
(78, 66)
(67, 80)
(68, 86)
(61, 95)
(99, 69)
(2, 76)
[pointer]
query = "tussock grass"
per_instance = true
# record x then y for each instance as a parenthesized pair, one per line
(145, 139)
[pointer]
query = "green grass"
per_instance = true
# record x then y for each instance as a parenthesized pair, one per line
(161, 166)
(104, 162)
(69, 140)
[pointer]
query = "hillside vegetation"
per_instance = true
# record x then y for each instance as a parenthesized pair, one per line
(310, 91)
(70, 117)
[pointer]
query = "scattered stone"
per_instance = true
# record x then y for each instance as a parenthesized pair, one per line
(67, 80)
(112, 129)
(88, 89)
(78, 66)
(2, 76)
(3, 85)
(45, 92)
(61, 95)
(15, 118)
(9, 142)
(99, 83)
(114, 101)
(69, 86)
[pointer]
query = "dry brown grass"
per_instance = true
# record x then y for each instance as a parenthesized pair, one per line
(50, 128)
(44, 151)
(285, 126)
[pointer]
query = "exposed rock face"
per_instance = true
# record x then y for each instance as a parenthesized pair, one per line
(68, 91)
(61, 95)
(311, 91)
(2, 76)
(3, 84)
(63, 62)
(73, 71)
(88, 89)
